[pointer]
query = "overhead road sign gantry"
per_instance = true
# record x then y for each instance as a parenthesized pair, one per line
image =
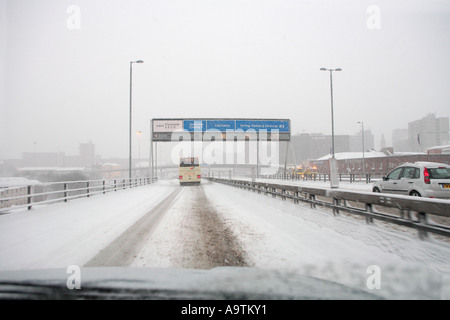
(226, 129)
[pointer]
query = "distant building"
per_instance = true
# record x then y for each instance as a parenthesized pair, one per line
(12, 187)
(400, 140)
(312, 146)
(42, 159)
(382, 142)
(356, 141)
(428, 132)
(307, 146)
(376, 163)
(87, 154)
(86, 158)
(111, 171)
(16, 182)
(439, 150)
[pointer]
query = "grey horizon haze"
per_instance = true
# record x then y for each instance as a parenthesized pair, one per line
(64, 67)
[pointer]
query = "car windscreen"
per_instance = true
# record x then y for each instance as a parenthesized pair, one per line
(439, 173)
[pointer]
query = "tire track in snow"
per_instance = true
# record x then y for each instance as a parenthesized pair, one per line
(217, 244)
(194, 235)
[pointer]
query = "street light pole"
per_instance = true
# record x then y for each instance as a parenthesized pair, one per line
(363, 157)
(139, 150)
(131, 88)
(333, 163)
(332, 111)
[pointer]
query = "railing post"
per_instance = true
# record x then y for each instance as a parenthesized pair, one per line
(65, 192)
(402, 213)
(336, 203)
(422, 221)
(369, 209)
(115, 185)
(104, 190)
(87, 189)
(312, 198)
(296, 197)
(29, 188)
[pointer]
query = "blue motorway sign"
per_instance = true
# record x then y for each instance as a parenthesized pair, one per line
(276, 128)
(257, 125)
(221, 125)
(194, 125)
(233, 125)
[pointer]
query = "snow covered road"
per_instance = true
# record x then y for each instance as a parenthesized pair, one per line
(202, 227)
(122, 251)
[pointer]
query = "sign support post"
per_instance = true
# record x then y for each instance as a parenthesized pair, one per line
(151, 150)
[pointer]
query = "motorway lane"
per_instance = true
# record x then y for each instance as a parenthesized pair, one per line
(203, 241)
(123, 250)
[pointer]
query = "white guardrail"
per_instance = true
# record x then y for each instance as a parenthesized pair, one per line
(46, 193)
(412, 212)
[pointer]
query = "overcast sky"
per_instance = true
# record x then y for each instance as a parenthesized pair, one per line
(65, 66)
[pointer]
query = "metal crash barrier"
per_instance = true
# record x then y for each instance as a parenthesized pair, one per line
(412, 212)
(47, 193)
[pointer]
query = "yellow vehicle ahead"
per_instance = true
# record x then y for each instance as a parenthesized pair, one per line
(304, 171)
(189, 171)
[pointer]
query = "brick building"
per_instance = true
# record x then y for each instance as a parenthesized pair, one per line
(377, 166)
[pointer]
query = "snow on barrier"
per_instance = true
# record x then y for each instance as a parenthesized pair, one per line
(64, 191)
(412, 212)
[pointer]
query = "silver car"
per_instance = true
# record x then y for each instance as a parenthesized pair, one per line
(421, 179)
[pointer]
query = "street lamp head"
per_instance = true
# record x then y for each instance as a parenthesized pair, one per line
(139, 61)
(325, 69)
